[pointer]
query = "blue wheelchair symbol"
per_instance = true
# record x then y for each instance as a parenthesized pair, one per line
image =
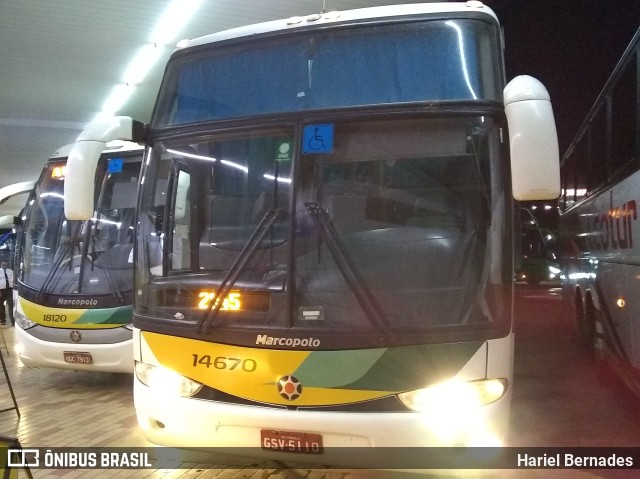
(317, 138)
(114, 165)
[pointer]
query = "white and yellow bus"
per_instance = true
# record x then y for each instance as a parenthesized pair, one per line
(326, 231)
(75, 278)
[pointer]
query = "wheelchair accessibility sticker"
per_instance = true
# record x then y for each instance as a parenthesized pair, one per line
(318, 138)
(115, 165)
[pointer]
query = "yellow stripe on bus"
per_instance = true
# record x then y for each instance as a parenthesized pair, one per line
(70, 318)
(249, 373)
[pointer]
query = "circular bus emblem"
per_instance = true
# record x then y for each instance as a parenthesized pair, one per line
(289, 387)
(75, 336)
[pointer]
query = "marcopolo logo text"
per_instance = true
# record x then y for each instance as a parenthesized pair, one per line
(265, 340)
(77, 302)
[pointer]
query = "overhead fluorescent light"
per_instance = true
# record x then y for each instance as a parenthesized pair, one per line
(176, 16)
(116, 100)
(166, 30)
(145, 58)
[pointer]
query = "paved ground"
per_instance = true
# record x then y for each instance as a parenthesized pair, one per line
(560, 399)
(557, 402)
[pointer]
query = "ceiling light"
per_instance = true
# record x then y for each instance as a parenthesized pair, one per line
(171, 23)
(145, 58)
(116, 99)
(177, 14)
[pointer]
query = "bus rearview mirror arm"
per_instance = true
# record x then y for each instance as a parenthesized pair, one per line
(83, 159)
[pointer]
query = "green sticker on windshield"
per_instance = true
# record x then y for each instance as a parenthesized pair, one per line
(283, 153)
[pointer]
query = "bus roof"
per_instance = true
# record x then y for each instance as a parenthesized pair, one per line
(370, 13)
(14, 189)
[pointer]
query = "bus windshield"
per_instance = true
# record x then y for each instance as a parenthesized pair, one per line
(74, 257)
(385, 64)
(392, 226)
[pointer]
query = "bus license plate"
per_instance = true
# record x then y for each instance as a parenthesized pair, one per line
(76, 357)
(287, 441)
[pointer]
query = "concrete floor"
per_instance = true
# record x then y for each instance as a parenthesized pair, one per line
(557, 402)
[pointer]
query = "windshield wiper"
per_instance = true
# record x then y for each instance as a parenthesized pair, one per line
(348, 269)
(68, 245)
(111, 282)
(267, 221)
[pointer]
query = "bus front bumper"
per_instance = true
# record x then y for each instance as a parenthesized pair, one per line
(276, 433)
(111, 357)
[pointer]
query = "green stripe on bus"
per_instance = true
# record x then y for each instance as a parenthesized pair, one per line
(389, 369)
(120, 315)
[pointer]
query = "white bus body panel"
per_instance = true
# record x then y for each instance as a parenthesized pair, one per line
(195, 423)
(7, 192)
(108, 358)
(370, 13)
(608, 271)
(620, 285)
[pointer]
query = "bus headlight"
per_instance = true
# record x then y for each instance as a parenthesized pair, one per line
(454, 396)
(22, 321)
(453, 410)
(166, 381)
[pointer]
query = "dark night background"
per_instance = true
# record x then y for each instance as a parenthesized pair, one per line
(571, 46)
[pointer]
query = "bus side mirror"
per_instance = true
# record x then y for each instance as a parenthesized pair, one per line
(535, 159)
(79, 183)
